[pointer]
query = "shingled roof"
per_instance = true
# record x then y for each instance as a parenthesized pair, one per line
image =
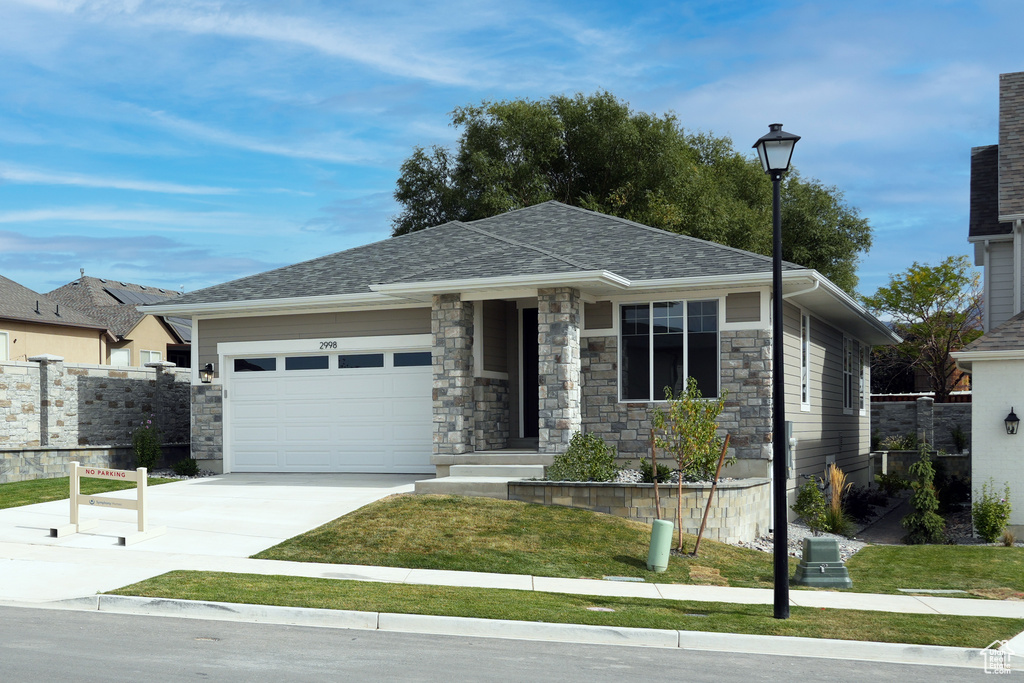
(984, 219)
(21, 303)
(548, 238)
(1008, 336)
(112, 302)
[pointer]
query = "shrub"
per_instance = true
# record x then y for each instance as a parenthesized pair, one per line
(1008, 539)
(991, 512)
(647, 472)
(187, 467)
(588, 458)
(891, 484)
(146, 444)
(860, 502)
(924, 525)
(810, 506)
(906, 442)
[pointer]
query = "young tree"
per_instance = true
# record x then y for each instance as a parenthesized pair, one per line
(936, 309)
(689, 433)
(593, 151)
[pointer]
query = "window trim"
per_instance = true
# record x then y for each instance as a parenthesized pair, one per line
(848, 374)
(805, 361)
(862, 386)
(719, 303)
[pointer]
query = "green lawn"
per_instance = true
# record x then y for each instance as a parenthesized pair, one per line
(508, 537)
(19, 493)
(989, 571)
(975, 632)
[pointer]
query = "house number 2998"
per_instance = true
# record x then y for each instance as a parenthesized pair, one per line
(328, 345)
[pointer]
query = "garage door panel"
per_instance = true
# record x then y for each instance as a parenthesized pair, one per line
(340, 420)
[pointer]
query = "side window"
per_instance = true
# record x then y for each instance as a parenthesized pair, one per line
(805, 362)
(149, 357)
(848, 376)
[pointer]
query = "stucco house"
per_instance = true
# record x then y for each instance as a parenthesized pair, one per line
(138, 337)
(500, 338)
(33, 324)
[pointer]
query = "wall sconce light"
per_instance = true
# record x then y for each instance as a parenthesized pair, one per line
(206, 374)
(1012, 422)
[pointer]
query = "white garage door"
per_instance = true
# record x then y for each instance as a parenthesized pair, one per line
(347, 412)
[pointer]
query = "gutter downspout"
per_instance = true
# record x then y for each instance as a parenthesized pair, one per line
(798, 292)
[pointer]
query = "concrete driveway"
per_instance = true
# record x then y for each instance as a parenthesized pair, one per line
(227, 516)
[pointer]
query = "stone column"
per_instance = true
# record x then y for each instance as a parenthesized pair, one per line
(451, 323)
(926, 420)
(208, 426)
(53, 430)
(558, 367)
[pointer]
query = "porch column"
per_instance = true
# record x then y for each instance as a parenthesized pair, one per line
(451, 323)
(558, 367)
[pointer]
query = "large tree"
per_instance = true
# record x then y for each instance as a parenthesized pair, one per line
(937, 310)
(594, 152)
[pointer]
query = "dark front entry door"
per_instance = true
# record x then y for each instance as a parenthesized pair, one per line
(531, 416)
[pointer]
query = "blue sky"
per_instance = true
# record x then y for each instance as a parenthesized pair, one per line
(189, 143)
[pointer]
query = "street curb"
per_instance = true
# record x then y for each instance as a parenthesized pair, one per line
(894, 653)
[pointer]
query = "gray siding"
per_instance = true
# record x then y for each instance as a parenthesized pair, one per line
(598, 315)
(309, 326)
(495, 336)
(743, 307)
(1000, 278)
(825, 429)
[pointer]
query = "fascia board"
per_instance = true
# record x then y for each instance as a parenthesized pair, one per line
(601, 278)
(972, 356)
(261, 306)
(998, 237)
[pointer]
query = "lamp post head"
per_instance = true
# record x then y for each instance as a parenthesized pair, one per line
(775, 150)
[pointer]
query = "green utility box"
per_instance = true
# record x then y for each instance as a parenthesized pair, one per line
(661, 545)
(821, 566)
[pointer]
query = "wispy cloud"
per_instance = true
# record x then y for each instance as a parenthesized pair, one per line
(15, 174)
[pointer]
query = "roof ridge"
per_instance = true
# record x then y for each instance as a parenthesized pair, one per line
(516, 243)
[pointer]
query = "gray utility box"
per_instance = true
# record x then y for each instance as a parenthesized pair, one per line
(821, 566)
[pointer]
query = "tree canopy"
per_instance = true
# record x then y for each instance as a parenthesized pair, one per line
(937, 310)
(594, 152)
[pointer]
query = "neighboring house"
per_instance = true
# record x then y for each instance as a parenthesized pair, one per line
(997, 207)
(996, 364)
(33, 324)
(140, 338)
(516, 331)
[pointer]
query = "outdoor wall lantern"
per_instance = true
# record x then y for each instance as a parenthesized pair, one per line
(775, 150)
(206, 373)
(1012, 422)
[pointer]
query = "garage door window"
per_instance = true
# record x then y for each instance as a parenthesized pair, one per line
(255, 364)
(361, 360)
(412, 359)
(307, 363)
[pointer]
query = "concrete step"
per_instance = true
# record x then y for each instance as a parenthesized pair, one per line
(515, 471)
(502, 457)
(480, 487)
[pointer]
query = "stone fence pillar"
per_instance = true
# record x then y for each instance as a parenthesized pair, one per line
(926, 420)
(53, 405)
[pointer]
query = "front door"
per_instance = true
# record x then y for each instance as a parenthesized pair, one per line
(531, 397)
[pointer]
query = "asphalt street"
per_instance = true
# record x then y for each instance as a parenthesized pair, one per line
(45, 644)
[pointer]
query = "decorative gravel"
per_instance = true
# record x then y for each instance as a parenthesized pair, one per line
(795, 537)
(168, 473)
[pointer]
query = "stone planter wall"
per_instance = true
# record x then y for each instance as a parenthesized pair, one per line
(741, 509)
(923, 417)
(24, 464)
(899, 462)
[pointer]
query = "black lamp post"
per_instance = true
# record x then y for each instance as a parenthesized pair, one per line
(775, 150)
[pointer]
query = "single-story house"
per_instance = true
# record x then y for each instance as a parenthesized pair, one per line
(33, 324)
(138, 338)
(517, 331)
(996, 364)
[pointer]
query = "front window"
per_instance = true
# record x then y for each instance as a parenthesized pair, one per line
(862, 387)
(665, 342)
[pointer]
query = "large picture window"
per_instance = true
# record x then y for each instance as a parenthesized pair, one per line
(663, 343)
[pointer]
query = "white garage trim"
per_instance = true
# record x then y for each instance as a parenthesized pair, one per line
(333, 419)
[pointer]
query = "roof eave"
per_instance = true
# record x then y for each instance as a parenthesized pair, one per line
(594, 281)
(268, 305)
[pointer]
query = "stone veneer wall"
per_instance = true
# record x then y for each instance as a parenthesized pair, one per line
(490, 414)
(922, 417)
(451, 323)
(739, 511)
(746, 375)
(46, 402)
(558, 359)
(208, 426)
(24, 464)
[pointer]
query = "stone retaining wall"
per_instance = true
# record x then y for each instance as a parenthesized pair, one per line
(899, 462)
(922, 417)
(23, 464)
(740, 510)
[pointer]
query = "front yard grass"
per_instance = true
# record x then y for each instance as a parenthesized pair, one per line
(19, 493)
(974, 632)
(983, 571)
(509, 537)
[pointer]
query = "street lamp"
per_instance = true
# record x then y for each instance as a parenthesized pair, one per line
(775, 150)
